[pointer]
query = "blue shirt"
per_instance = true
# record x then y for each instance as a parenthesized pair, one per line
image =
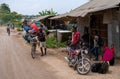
(26, 28)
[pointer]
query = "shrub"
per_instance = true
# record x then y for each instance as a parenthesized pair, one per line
(52, 43)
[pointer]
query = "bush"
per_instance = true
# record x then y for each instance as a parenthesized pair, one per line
(18, 26)
(52, 43)
(19, 29)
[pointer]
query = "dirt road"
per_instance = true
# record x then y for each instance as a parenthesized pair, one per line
(16, 62)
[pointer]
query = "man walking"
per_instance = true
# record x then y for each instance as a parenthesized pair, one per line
(42, 39)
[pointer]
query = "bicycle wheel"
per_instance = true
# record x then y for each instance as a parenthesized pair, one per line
(33, 51)
(9, 33)
(83, 67)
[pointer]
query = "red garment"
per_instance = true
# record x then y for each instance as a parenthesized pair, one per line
(112, 49)
(73, 53)
(33, 26)
(75, 38)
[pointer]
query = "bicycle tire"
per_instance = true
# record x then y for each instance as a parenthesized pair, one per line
(33, 51)
(78, 67)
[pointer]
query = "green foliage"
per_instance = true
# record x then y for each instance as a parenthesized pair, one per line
(47, 12)
(4, 8)
(17, 24)
(19, 29)
(52, 43)
(6, 16)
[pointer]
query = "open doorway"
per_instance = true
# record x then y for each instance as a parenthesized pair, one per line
(96, 23)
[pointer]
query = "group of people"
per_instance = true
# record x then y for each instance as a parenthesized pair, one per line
(94, 43)
(10, 26)
(39, 31)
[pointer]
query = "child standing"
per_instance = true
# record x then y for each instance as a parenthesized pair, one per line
(112, 48)
(113, 51)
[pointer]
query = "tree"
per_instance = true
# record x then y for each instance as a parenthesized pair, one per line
(51, 12)
(47, 12)
(43, 13)
(6, 16)
(4, 8)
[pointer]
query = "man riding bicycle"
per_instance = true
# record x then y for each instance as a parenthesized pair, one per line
(8, 29)
(31, 30)
(26, 28)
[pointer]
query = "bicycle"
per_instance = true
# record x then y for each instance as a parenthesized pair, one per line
(33, 42)
(8, 31)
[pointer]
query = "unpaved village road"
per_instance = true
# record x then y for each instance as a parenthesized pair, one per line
(16, 62)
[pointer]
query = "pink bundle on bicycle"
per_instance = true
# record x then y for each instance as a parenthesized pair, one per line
(34, 26)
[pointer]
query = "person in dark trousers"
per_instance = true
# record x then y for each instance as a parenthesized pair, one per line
(75, 38)
(88, 40)
(12, 26)
(42, 39)
(96, 45)
(85, 38)
(8, 29)
(75, 42)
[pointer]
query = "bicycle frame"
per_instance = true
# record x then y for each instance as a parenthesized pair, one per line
(33, 41)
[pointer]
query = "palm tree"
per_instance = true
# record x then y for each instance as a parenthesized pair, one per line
(51, 12)
(43, 13)
(47, 12)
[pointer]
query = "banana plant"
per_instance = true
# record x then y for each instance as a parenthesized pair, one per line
(47, 12)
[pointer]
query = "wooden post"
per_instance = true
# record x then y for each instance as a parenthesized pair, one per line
(56, 33)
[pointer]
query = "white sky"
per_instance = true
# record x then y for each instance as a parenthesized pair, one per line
(29, 7)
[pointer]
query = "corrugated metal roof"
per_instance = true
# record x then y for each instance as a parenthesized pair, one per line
(42, 17)
(93, 6)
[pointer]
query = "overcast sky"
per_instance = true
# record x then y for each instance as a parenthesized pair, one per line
(32, 7)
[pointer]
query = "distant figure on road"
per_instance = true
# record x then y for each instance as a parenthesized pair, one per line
(8, 29)
(12, 26)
